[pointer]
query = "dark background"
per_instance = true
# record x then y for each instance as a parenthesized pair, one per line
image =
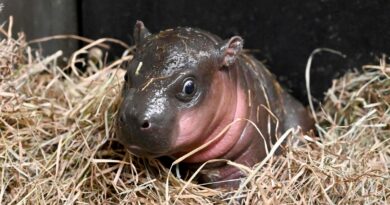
(41, 18)
(280, 33)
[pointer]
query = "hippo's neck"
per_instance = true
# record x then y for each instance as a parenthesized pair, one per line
(256, 92)
(229, 122)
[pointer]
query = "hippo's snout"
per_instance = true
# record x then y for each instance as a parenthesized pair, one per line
(136, 122)
(143, 128)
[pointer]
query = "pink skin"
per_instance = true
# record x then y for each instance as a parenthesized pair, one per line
(223, 107)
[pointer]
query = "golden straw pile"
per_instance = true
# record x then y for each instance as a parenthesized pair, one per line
(57, 142)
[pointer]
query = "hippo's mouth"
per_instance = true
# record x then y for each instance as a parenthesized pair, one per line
(140, 152)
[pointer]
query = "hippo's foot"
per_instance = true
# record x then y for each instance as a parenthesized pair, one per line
(226, 177)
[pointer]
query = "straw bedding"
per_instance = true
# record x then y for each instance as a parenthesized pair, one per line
(57, 142)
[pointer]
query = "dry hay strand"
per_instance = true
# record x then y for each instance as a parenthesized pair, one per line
(11, 51)
(57, 144)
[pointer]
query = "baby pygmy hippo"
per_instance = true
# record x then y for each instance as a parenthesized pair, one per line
(184, 86)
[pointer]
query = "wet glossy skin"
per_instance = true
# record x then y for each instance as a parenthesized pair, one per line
(185, 86)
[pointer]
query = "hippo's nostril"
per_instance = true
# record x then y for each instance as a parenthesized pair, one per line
(145, 125)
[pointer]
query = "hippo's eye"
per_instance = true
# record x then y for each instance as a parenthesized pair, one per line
(189, 87)
(188, 90)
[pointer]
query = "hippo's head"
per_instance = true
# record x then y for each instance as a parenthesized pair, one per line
(175, 94)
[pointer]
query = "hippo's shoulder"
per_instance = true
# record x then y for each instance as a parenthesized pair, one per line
(254, 68)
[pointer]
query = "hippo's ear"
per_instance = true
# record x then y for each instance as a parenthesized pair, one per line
(230, 50)
(140, 32)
